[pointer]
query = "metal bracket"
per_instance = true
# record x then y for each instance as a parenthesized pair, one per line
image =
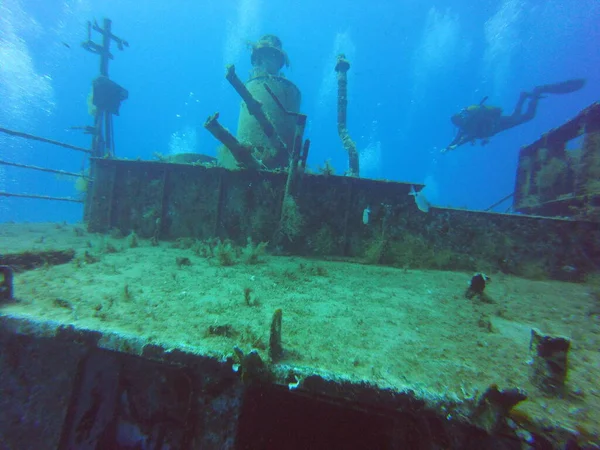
(101, 49)
(6, 284)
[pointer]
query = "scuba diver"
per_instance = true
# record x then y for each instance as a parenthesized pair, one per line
(482, 121)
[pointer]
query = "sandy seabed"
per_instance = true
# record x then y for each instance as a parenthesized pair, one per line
(392, 327)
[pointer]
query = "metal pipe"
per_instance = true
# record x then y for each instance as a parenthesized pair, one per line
(295, 157)
(300, 152)
(502, 200)
(240, 153)
(254, 108)
(278, 102)
(43, 169)
(304, 155)
(41, 139)
(42, 197)
(342, 66)
(276, 99)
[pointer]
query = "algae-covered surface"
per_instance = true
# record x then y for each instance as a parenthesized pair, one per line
(399, 328)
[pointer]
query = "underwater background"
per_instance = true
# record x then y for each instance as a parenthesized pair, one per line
(413, 64)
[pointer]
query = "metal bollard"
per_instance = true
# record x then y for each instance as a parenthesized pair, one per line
(6, 284)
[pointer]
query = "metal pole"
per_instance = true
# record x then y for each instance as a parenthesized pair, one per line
(41, 139)
(42, 197)
(102, 142)
(342, 66)
(106, 38)
(502, 200)
(104, 58)
(255, 109)
(42, 169)
(103, 118)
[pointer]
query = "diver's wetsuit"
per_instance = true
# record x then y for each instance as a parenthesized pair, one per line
(484, 126)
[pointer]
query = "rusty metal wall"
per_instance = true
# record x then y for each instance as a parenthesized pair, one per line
(168, 201)
(555, 180)
(66, 388)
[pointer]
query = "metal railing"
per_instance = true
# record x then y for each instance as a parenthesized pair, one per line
(42, 169)
(107, 97)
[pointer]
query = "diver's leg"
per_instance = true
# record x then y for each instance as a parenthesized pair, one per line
(506, 122)
(518, 116)
(531, 109)
(519, 106)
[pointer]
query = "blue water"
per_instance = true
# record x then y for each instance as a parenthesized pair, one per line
(414, 64)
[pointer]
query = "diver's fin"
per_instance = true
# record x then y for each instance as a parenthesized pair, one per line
(564, 87)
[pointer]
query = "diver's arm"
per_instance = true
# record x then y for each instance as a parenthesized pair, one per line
(460, 139)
